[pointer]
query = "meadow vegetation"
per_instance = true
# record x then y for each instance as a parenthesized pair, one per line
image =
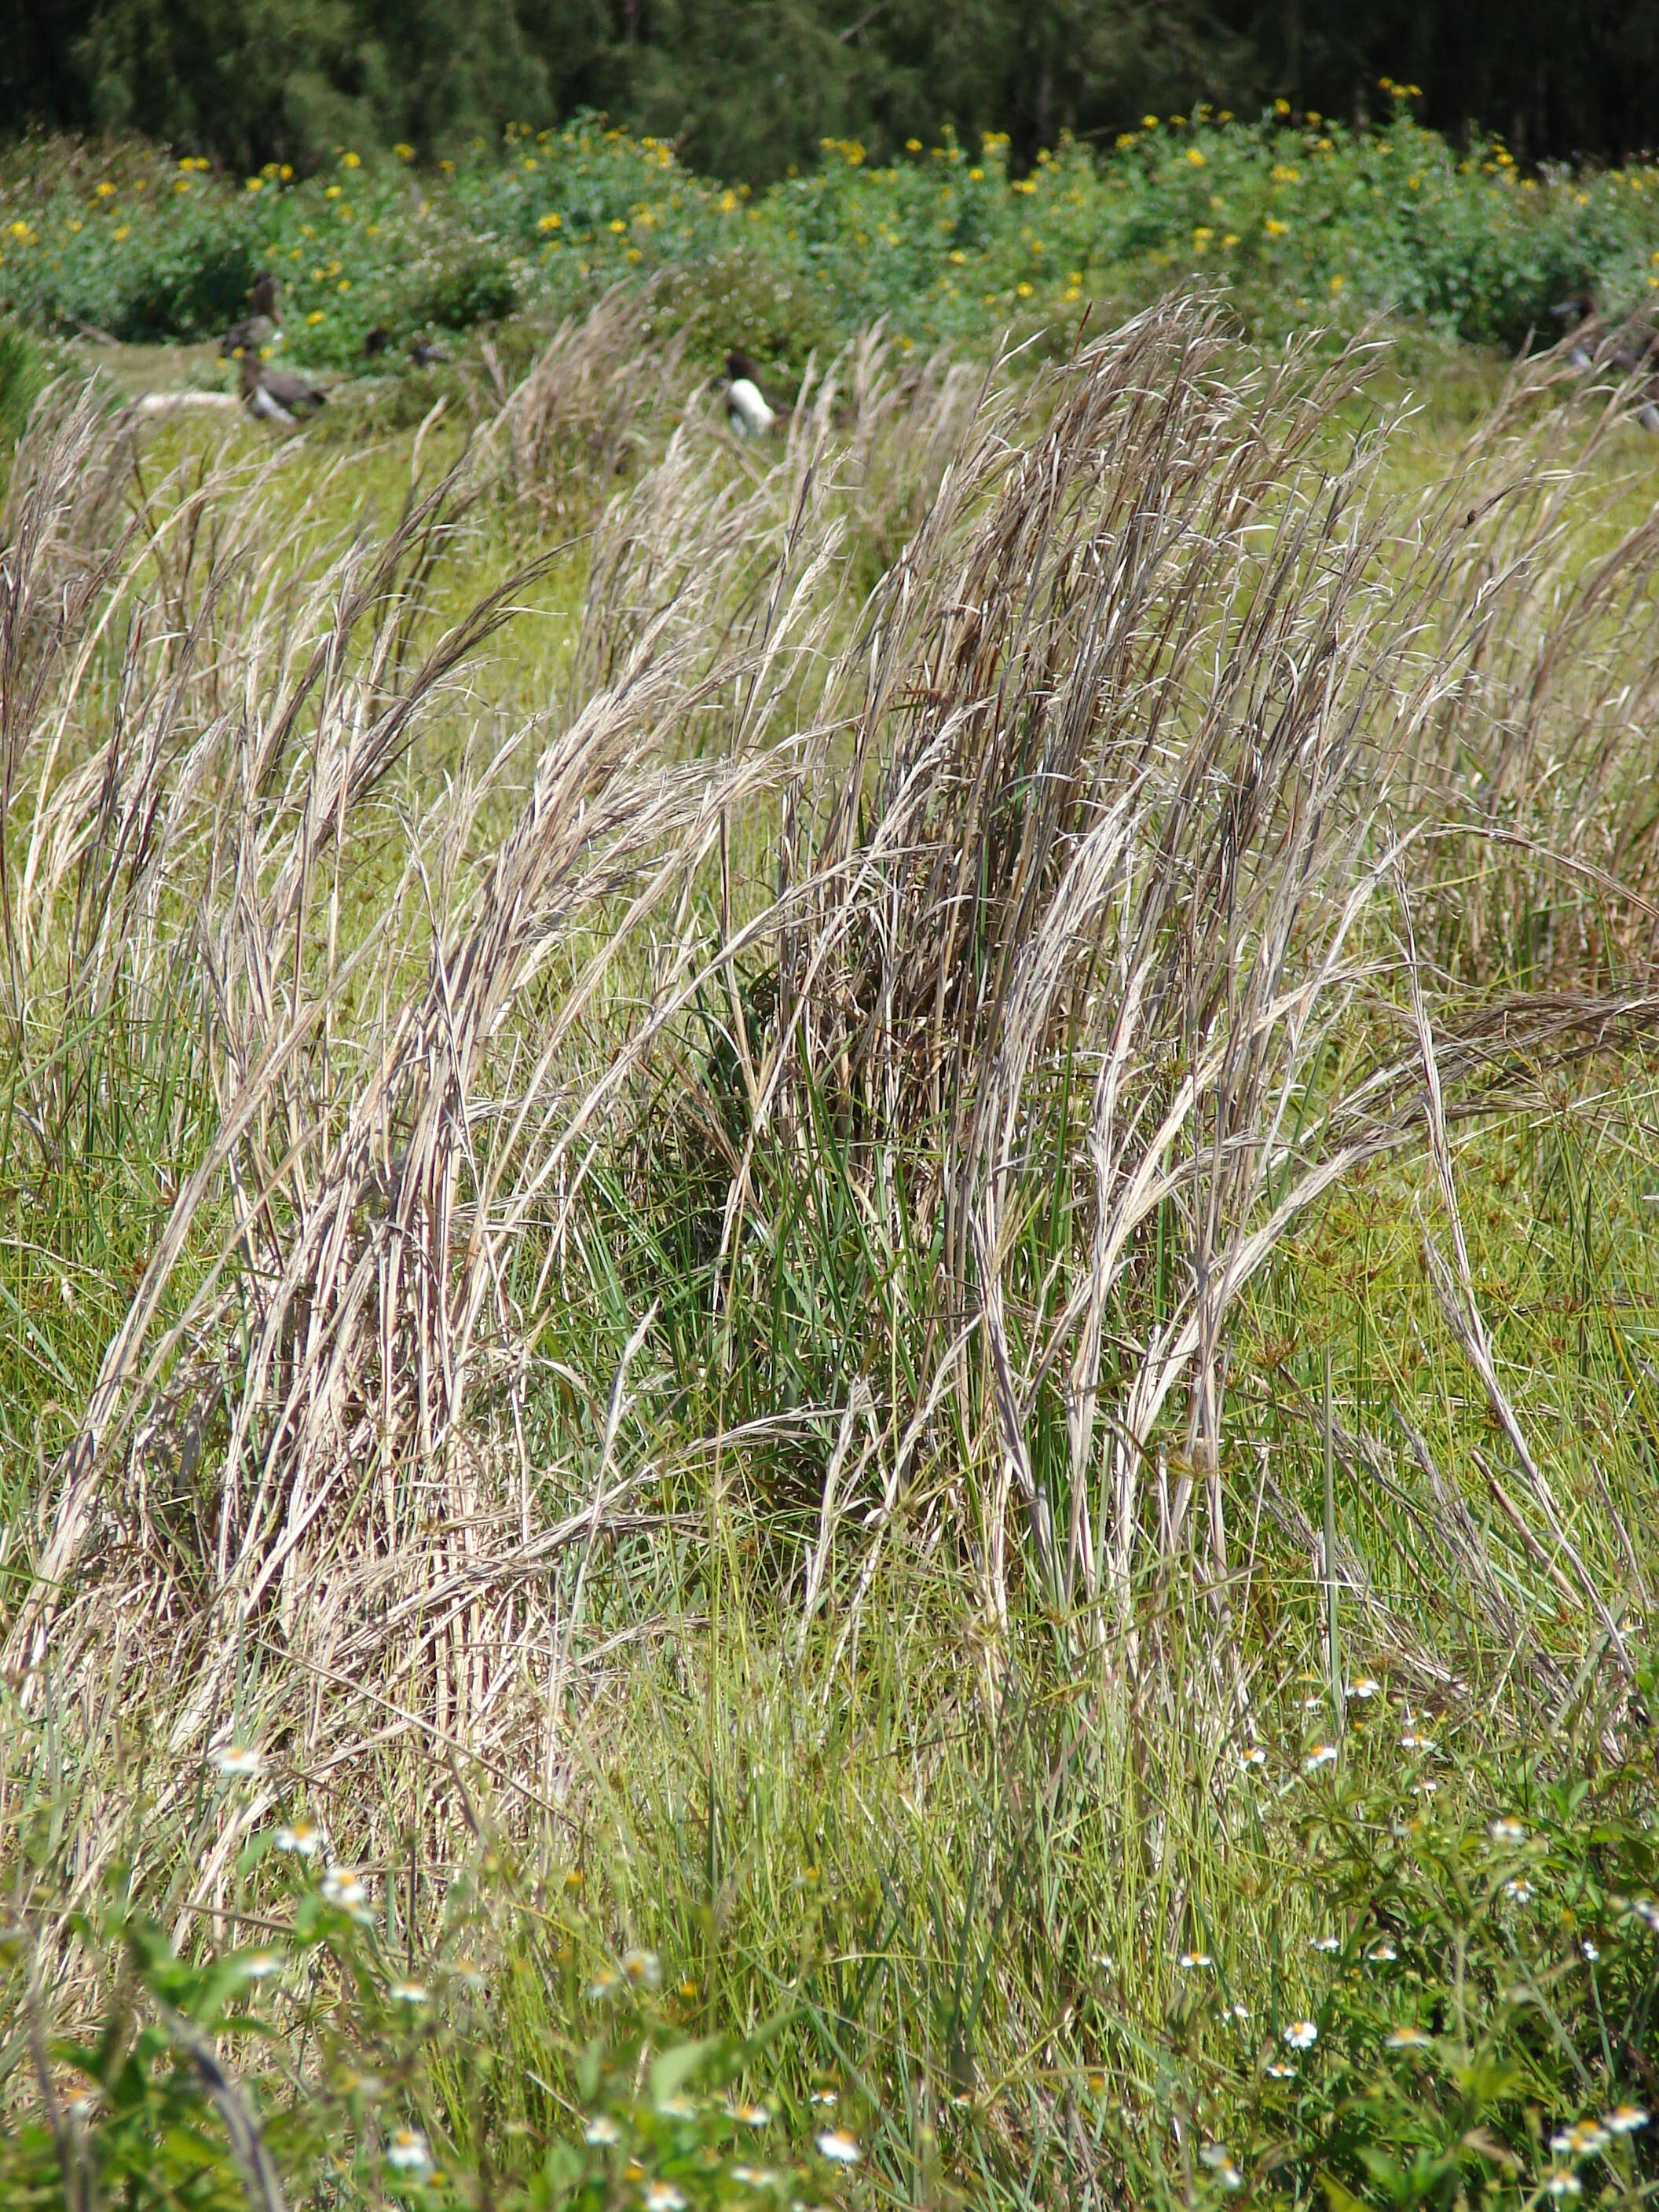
(1300, 216)
(829, 1369)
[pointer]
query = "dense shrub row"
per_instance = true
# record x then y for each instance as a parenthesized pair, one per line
(1299, 216)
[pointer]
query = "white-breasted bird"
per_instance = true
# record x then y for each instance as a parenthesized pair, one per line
(277, 395)
(746, 407)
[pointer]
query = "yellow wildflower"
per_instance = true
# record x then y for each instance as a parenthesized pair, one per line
(1275, 229)
(552, 221)
(404, 152)
(256, 184)
(122, 230)
(1149, 123)
(1195, 157)
(351, 161)
(105, 191)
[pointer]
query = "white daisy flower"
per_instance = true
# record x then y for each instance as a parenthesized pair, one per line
(751, 2116)
(1590, 1951)
(239, 1762)
(409, 1993)
(828, 2098)
(604, 1987)
(1325, 1943)
(1409, 2039)
(303, 1838)
(1518, 1892)
(677, 2108)
(1382, 1953)
(601, 2130)
(662, 2196)
(1190, 1960)
(839, 2148)
(1321, 1755)
(1412, 1742)
(1236, 2012)
(407, 2153)
(642, 1970)
(1624, 2119)
(1507, 1832)
(260, 1965)
(342, 1887)
(1281, 2073)
(1300, 2035)
(1253, 1756)
(754, 2177)
(1365, 1687)
(1565, 2185)
(1220, 2160)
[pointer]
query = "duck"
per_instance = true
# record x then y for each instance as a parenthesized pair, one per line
(1632, 350)
(746, 407)
(276, 395)
(375, 341)
(261, 326)
(1630, 345)
(424, 352)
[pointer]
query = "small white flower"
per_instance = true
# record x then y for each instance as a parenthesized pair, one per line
(1645, 1909)
(643, 1970)
(1425, 1788)
(1105, 1962)
(662, 2196)
(1412, 1742)
(1624, 2119)
(839, 2148)
(754, 2177)
(1518, 1892)
(409, 1993)
(407, 2153)
(1582, 2140)
(239, 1762)
(1311, 1704)
(303, 1838)
(1321, 1754)
(1254, 1756)
(341, 1887)
(1325, 1943)
(1302, 2035)
(601, 2130)
(1236, 2012)
(365, 2086)
(1364, 1688)
(677, 2108)
(1590, 1951)
(1220, 2160)
(751, 2116)
(828, 2098)
(259, 1965)
(1410, 2038)
(1507, 1832)
(1565, 2185)
(604, 1987)
(1281, 2073)
(1561, 2144)
(1190, 1959)
(1381, 1955)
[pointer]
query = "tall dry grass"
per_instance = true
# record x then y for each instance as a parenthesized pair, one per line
(1064, 888)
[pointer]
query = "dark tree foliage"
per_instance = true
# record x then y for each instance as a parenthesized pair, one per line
(748, 88)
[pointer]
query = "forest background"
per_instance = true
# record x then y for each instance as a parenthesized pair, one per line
(747, 89)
